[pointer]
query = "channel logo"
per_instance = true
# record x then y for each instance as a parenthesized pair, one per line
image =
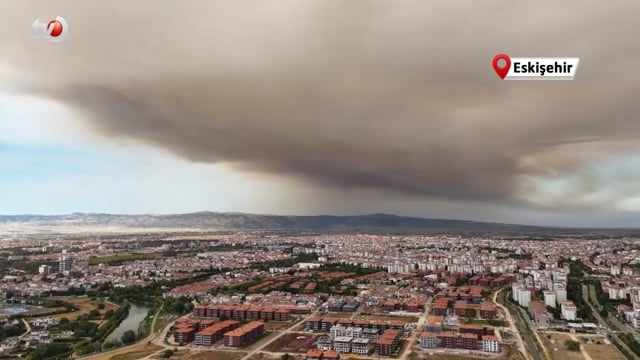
(55, 30)
(509, 68)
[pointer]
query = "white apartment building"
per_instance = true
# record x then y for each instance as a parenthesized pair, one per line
(428, 340)
(569, 310)
(490, 344)
(634, 293)
(360, 346)
(549, 298)
(615, 270)
(44, 270)
(342, 344)
(561, 292)
(338, 330)
(616, 293)
(521, 295)
(354, 332)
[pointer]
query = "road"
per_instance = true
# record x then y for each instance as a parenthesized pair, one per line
(288, 331)
(513, 327)
(589, 290)
(28, 327)
(416, 332)
(532, 327)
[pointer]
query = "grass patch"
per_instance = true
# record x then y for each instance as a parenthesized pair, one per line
(133, 355)
(163, 320)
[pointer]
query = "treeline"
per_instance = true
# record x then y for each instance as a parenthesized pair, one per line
(349, 268)
(608, 305)
(147, 294)
(631, 342)
(30, 267)
(120, 259)
(137, 294)
(95, 344)
(55, 350)
(265, 266)
(11, 330)
(574, 288)
(175, 306)
(81, 328)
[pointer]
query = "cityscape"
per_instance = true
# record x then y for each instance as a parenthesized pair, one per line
(310, 295)
(319, 180)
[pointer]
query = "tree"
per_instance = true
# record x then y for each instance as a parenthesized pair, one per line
(129, 337)
(101, 306)
(285, 357)
(167, 354)
(64, 321)
(572, 345)
(94, 314)
(109, 314)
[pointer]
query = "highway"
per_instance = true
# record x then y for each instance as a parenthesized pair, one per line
(522, 330)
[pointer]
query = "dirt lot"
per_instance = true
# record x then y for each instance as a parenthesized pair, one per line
(84, 305)
(508, 353)
(293, 343)
(130, 353)
(596, 351)
(602, 350)
(557, 348)
(265, 338)
(441, 356)
(264, 356)
(268, 326)
(218, 355)
(336, 315)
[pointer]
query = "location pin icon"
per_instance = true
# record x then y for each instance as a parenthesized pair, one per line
(502, 71)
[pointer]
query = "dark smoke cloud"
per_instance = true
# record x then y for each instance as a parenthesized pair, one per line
(394, 95)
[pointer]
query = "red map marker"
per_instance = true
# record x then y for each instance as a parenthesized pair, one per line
(501, 71)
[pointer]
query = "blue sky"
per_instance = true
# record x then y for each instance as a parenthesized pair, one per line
(51, 164)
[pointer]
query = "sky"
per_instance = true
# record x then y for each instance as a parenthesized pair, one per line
(321, 107)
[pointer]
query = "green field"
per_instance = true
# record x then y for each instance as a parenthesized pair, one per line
(119, 259)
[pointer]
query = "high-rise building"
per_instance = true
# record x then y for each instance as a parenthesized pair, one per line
(549, 298)
(44, 270)
(65, 262)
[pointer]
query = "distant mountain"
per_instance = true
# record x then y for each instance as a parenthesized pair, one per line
(253, 222)
(214, 221)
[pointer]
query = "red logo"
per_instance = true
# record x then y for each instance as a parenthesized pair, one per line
(55, 30)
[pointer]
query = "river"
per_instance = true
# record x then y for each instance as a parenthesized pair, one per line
(137, 313)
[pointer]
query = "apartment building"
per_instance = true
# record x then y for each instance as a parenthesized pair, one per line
(244, 334)
(428, 340)
(490, 344)
(568, 310)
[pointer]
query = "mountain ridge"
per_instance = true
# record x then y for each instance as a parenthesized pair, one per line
(239, 221)
(248, 221)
